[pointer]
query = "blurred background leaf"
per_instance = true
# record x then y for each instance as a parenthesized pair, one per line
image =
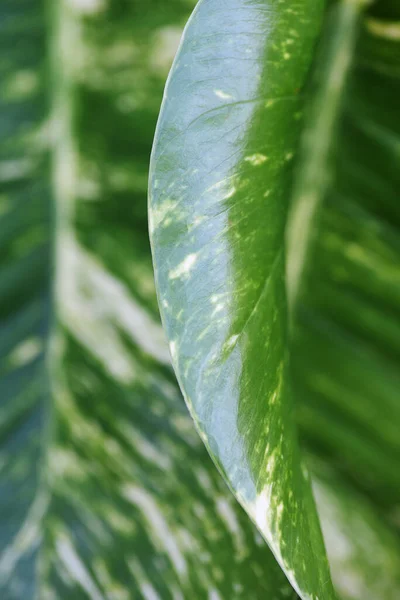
(346, 343)
(106, 490)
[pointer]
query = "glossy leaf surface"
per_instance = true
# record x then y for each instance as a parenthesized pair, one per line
(345, 359)
(106, 490)
(219, 190)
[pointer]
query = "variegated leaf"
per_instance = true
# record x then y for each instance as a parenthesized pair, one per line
(219, 190)
(211, 227)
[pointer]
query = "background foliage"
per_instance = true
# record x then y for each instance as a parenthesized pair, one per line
(106, 490)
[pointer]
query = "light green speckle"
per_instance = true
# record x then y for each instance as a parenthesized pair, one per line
(256, 159)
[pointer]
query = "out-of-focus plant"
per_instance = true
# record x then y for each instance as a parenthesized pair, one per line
(106, 489)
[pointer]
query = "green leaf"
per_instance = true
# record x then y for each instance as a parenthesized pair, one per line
(346, 350)
(357, 250)
(213, 242)
(363, 552)
(348, 311)
(219, 190)
(106, 490)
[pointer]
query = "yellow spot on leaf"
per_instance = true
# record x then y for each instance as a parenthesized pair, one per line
(256, 159)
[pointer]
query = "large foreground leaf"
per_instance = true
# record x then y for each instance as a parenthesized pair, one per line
(216, 222)
(219, 192)
(106, 491)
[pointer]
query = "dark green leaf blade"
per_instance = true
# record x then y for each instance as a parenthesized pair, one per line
(219, 188)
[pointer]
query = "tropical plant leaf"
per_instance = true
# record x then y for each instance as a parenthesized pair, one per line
(106, 490)
(349, 317)
(219, 189)
(351, 527)
(346, 339)
(212, 241)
